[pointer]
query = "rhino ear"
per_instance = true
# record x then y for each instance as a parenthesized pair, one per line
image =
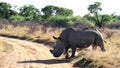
(55, 37)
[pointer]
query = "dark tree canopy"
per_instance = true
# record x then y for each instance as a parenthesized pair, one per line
(29, 11)
(51, 10)
(99, 20)
(95, 8)
(5, 10)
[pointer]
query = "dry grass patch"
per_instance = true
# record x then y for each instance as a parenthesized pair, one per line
(4, 49)
(41, 32)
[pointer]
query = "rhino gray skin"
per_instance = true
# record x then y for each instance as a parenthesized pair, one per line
(71, 38)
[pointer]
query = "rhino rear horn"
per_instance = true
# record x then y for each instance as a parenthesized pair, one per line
(55, 37)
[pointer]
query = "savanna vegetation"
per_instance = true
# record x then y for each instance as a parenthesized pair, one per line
(57, 16)
(36, 25)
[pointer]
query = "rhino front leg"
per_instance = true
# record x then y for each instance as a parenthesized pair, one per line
(66, 52)
(73, 51)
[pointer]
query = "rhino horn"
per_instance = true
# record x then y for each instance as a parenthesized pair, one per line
(51, 51)
(55, 37)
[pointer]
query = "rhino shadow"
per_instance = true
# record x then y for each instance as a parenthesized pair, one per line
(48, 61)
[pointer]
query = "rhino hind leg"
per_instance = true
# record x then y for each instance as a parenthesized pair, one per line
(102, 48)
(101, 45)
(73, 52)
(94, 47)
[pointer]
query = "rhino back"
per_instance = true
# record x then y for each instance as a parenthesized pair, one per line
(81, 38)
(74, 37)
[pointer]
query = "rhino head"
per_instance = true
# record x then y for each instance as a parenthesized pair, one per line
(59, 47)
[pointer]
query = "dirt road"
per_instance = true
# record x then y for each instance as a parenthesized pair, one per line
(30, 55)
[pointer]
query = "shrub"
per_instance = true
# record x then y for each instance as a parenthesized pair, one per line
(77, 19)
(60, 21)
(114, 25)
(16, 18)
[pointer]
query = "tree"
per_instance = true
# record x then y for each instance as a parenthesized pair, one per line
(51, 10)
(94, 9)
(116, 18)
(5, 10)
(106, 19)
(29, 12)
(63, 11)
(48, 11)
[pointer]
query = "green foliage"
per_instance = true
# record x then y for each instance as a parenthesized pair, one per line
(4, 10)
(60, 21)
(59, 16)
(51, 10)
(78, 19)
(48, 11)
(28, 18)
(103, 19)
(64, 21)
(63, 11)
(106, 19)
(16, 18)
(116, 18)
(91, 19)
(29, 12)
(98, 19)
(95, 8)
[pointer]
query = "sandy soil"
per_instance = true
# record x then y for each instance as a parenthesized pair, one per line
(27, 54)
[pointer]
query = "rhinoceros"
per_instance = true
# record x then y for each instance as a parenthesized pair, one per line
(71, 38)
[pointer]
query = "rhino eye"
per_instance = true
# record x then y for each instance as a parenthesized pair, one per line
(54, 46)
(59, 49)
(59, 38)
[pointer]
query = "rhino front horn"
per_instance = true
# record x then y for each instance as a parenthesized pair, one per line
(51, 51)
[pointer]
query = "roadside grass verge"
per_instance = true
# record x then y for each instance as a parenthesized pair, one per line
(39, 34)
(5, 47)
(28, 38)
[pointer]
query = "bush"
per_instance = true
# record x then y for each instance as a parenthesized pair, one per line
(60, 21)
(29, 18)
(81, 20)
(115, 25)
(65, 21)
(81, 26)
(77, 19)
(16, 18)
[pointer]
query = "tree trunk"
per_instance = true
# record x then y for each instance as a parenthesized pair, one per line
(98, 23)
